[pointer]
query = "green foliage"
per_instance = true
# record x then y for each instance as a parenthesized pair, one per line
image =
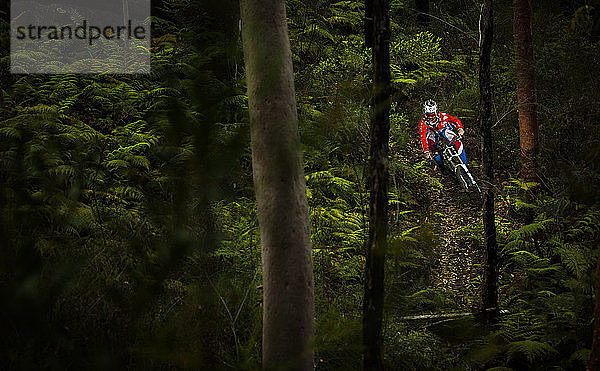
(418, 60)
(410, 349)
(109, 213)
(131, 232)
(547, 280)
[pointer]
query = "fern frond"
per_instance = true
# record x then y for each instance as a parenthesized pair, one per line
(533, 350)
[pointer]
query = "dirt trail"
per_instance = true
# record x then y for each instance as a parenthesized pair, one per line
(458, 271)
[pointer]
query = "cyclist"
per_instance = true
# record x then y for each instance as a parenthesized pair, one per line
(435, 123)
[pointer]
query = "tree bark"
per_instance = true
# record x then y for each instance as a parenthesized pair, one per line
(490, 282)
(5, 10)
(368, 23)
(378, 187)
(594, 359)
(288, 305)
(422, 8)
(526, 99)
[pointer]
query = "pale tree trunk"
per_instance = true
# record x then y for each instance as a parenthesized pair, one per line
(594, 359)
(526, 100)
(490, 281)
(288, 305)
(378, 186)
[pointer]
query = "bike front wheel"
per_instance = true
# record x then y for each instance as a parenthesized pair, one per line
(463, 178)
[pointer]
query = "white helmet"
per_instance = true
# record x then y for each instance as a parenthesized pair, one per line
(431, 114)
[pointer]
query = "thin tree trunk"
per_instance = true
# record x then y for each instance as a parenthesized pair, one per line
(5, 10)
(288, 305)
(594, 360)
(5, 78)
(490, 282)
(422, 7)
(368, 23)
(526, 100)
(378, 186)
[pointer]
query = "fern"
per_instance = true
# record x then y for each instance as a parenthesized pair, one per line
(533, 350)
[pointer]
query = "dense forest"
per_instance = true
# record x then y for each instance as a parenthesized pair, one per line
(130, 236)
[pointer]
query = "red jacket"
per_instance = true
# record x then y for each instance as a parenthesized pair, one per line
(445, 120)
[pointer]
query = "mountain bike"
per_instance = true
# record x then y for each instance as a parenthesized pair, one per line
(452, 161)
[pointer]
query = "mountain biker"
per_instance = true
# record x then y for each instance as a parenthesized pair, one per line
(435, 123)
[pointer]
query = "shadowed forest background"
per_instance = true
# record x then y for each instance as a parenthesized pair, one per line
(129, 236)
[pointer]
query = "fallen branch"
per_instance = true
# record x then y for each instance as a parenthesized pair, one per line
(443, 316)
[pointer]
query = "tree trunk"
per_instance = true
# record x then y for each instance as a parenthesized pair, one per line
(526, 100)
(594, 360)
(5, 10)
(368, 23)
(378, 187)
(422, 8)
(288, 306)
(490, 281)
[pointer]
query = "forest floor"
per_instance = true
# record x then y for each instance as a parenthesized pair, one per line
(457, 272)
